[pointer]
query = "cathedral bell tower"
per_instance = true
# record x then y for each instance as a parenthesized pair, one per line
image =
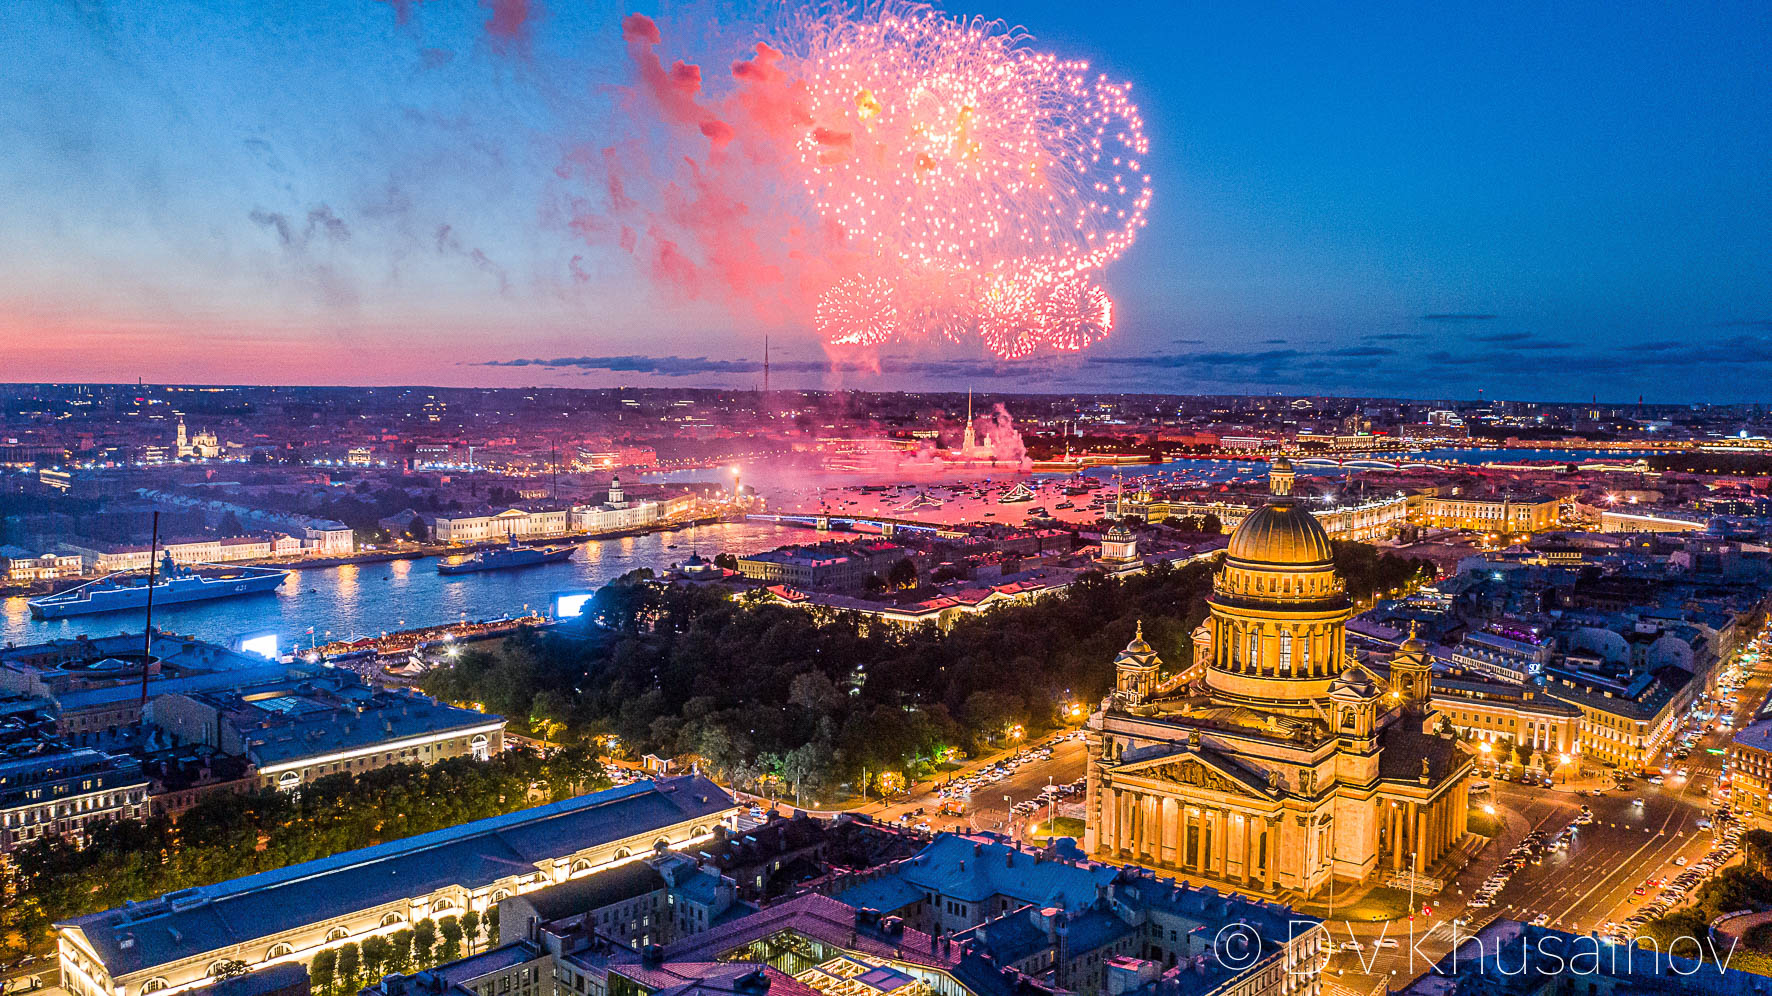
(1135, 670)
(1412, 675)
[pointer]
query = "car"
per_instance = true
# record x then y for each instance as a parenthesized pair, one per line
(1541, 919)
(1639, 891)
(1352, 946)
(1638, 803)
(1385, 943)
(1703, 824)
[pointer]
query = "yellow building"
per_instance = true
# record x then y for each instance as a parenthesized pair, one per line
(1624, 722)
(1288, 762)
(1750, 771)
(1489, 711)
(1489, 513)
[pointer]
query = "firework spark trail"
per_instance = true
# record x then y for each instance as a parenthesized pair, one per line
(912, 174)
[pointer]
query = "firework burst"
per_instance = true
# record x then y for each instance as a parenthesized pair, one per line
(965, 185)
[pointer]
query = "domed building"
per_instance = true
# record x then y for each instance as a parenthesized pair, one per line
(1119, 545)
(1287, 762)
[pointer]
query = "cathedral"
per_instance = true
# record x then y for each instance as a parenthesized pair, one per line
(1286, 761)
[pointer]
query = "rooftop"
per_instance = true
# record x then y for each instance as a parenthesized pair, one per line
(192, 922)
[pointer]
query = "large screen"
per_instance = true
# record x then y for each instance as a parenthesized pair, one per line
(264, 645)
(572, 604)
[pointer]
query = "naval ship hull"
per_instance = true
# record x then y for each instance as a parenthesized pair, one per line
(98, 596)
(506, 560)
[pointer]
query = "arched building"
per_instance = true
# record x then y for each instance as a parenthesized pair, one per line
(1287, 762)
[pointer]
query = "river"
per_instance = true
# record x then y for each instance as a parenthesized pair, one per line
(369, 599)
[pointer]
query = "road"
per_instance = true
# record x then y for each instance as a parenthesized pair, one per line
(985, 808)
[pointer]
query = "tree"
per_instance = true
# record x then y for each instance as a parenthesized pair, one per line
(903, 574)
(228, 968)
(726, 561)
(450, 949)
(400, 950)
(350, 963)
(470, 928)
(874, 584)
(1211, 523)
(813, 691)
(1756, 851)
(417, 531)
(230, 525)
(492, 925)
(323, 970)
(375, 956)
(424, 941)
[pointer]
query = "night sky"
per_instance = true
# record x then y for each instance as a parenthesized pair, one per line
(1546, 201)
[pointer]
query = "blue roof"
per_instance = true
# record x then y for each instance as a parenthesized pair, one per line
(885, 894)
(193, 922)
(978, 867)
(130, 691)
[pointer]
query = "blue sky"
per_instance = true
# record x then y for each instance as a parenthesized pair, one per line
(1538, 201)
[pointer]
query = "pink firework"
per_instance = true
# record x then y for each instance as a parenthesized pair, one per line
(859, 312)
(1076, 314)
(947, 179)
(954, 151)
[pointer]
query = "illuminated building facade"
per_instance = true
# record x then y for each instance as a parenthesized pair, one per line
(1289, 762)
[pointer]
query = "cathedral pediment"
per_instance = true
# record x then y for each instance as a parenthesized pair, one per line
(1199, 768)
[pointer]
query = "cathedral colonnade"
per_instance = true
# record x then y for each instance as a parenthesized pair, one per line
(1222, 842)
(1426, 829)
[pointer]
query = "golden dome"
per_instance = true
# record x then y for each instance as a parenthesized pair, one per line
(1281, 533)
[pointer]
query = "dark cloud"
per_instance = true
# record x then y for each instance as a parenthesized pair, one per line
(1520, 340)
(1255, 358)
(1273, 342)
(692, 366)
(1456, 316)
(1661, 359)
(1188, 342)
(1355, 352)
(1392, 336)
(323, 221)
(320, 221)
(275, 222)
(1747, 323)
(449, 244)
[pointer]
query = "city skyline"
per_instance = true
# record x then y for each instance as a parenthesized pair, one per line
(1494, 202)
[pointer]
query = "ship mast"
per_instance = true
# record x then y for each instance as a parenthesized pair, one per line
(148, 627)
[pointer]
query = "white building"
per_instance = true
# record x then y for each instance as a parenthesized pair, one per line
(493, 527)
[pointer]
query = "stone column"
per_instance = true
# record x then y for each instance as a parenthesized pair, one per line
(1141, 806)
(1421, 840)
(1267, 831)
(1393, 833)
(1123, 821)
(1170, 817)
(1106, 805)
(1248, 865)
